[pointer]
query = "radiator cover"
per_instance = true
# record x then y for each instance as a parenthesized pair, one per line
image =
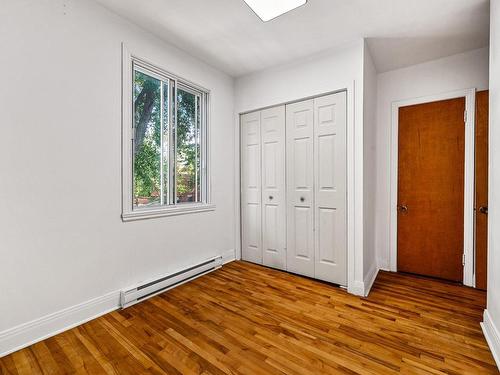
(148, 289)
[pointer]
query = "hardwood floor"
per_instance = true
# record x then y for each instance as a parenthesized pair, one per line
(246, 319)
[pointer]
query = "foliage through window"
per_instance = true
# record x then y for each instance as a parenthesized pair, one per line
(169, 163)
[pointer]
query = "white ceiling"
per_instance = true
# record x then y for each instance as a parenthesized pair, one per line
(228, 35)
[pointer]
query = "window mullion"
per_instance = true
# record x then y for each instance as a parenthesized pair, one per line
(197, 143)
(162, 124)
(203, 148)
(173, 145)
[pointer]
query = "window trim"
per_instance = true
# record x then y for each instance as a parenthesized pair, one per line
(129, 61)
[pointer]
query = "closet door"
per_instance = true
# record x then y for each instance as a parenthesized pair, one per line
(251, 229)
(330, 188)
(273, 187)
(300, 205)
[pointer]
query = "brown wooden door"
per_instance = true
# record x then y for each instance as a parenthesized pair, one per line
(481, 201)
(431, 164)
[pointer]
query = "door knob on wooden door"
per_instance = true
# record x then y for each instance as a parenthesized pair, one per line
(483, 210)
(402, 208)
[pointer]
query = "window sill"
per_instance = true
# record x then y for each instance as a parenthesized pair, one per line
(167, 211)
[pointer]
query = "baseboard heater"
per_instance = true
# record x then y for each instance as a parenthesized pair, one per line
(136, 294)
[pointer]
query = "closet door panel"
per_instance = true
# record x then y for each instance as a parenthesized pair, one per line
(273, 187)
(330, 188)
(300, 190)
(251, 192)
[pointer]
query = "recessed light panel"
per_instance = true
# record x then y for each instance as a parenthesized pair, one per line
(269, 9)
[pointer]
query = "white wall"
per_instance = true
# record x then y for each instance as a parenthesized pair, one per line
(492, 315)
(316, 75)
(369, 167)
(452, 73)
(62, 241)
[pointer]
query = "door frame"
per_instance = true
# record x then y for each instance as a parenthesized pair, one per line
(469, 116)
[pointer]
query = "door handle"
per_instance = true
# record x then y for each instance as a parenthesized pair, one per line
(483, 210)
(402, 208)
(271, 197)
(302, 199)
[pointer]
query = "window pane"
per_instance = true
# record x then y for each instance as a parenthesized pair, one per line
(147, 142)
(188, 150)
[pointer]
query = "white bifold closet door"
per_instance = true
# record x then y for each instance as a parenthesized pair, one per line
(251, 190)
(296, 220)
(330, 169)
(300, 187)
(316, 185)
(273, 187)
(263, 205)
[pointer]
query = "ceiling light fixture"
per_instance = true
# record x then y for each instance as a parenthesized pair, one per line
(269, 9)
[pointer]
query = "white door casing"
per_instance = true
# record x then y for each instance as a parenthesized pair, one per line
(300, 190)
(273, 187)
(251, 225)
(330, 196)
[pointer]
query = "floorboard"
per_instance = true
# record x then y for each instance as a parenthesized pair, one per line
(247, 319)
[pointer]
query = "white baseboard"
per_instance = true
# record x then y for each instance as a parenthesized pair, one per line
(229, 256)
(362, 288)
(492, 335)
(357, 288)
(369, 280)
(37, 330)
(26, 334)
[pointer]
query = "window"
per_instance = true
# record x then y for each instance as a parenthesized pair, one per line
(165, 126)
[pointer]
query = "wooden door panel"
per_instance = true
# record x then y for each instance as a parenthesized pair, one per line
(481, 178)
(431, 162)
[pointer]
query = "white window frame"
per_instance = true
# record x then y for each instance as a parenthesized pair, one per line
(129, 60)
